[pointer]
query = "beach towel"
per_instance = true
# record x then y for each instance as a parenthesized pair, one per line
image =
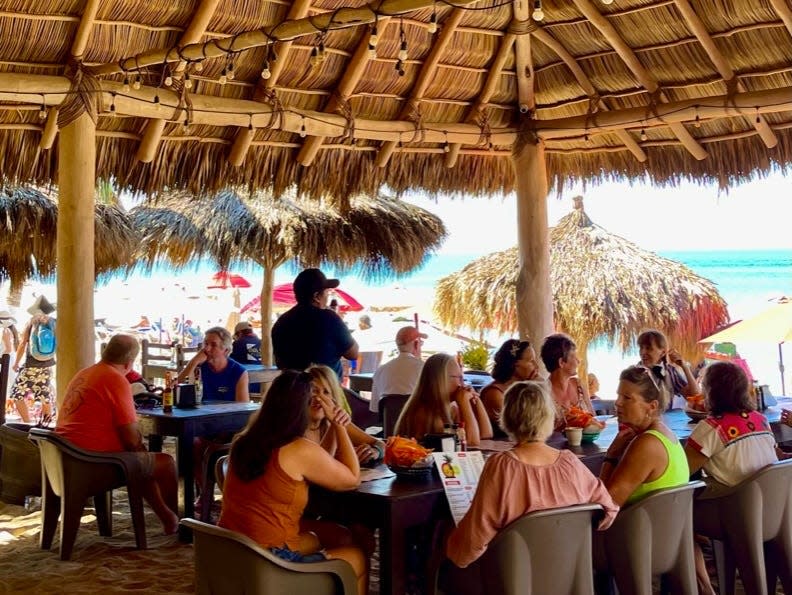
(42, 340)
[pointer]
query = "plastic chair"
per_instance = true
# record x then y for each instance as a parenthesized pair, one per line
(547, 551)
(362, 417)
(390, 407)
(651, 537)
(71, 475)
(751, 528)
(229, 562)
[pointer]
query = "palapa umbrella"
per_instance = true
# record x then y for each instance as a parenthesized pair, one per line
(28, 226)
(382, 236)
(603, 287)
(772, 325)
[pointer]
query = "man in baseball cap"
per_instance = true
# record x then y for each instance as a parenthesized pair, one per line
(310, 332)
(400, 375)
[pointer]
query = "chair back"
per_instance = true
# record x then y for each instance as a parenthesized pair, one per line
(229, 562)
(156, 359)
(390, 407)
(756, 512)
(362, 416)
(221, 469)
(5, 368)
(651, 537)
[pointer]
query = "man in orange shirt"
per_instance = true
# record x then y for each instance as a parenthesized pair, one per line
(98, 414)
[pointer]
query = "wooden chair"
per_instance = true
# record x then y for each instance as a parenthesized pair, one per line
(156, 359)
(547, 551)
(221, 470)
(751, 529)
(362, 416)
(229, 562)
(5, 370)
(71, 475)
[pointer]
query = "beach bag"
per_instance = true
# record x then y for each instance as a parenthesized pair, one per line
(42, 340)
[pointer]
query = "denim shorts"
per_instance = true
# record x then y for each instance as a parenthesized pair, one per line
(292, 556)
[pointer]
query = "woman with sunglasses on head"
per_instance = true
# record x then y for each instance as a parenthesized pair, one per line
(668, 366)
(270, 467)
(441, 398)
(646, 455)
(514, 361)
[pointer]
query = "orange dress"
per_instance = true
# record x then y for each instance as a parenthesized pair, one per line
(267, 509)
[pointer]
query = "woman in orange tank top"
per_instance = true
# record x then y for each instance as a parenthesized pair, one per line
(271, 464)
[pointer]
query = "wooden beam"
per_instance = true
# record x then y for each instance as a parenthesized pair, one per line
(522, 59)
(448, 29)
(588, 87)
(194, 32)
(245, 136)
(782, 9)
(493, 79)
(342, 18)
(219, 111)
(643, 76)
(698, 29)
(346, 87)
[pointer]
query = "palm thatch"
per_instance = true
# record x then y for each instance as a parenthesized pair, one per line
(381, 237)
(604, 287)
(28, 227)
(633, 61)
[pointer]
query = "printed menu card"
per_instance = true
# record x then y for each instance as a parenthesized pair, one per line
(459, 472)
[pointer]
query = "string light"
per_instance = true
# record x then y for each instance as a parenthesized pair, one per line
(198, 66)
(230, 70)
(538, 13)
(303, 132)
(223, 77)
(125, 86)
(43, 108)
(157, 102)
(374, 38)
(168, 81)
(697, 122)
(446, 146)
(607, 2)
(758, 119)
(403, 50)
(186, 122)
(372, 51)
(112, 104)
(187, 80)
(136, 82)
(432, 28)
(266, 72)
(643, 134)
(250, 124)
(402, 55)
(315, 60)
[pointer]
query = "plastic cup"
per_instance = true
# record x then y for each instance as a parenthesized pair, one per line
(574, 436)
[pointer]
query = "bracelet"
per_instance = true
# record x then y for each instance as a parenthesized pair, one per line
(380, 451)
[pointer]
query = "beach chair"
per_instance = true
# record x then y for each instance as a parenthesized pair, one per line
(751, 529)
(229, 562)
(71, 475)
(547, 551)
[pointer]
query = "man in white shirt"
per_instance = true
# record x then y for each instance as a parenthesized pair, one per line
(400, 375)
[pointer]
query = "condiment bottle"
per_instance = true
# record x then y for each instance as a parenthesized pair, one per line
(167, 394)
(462, 437)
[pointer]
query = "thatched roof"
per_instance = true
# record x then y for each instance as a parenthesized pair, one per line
(603, 287)
(382, 236)
(28, 226)
(655, 89)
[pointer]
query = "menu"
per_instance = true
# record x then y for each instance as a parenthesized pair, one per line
(459, 472)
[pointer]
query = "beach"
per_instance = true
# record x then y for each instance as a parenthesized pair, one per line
(747, 280)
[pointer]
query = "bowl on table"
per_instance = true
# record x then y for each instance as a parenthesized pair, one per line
(421, 473)
(589, 437)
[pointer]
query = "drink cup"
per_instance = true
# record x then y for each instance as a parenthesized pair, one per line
(574, 436)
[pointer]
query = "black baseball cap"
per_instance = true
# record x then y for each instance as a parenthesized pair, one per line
(311, 281)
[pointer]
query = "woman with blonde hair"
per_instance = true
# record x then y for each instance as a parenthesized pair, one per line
(324, 383)
(646, 455)
(531, 476)
(441, 398)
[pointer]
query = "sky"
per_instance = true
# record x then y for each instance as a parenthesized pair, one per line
(752, 216)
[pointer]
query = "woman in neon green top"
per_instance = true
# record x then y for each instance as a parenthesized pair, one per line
(645, 456)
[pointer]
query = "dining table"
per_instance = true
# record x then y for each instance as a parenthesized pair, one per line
(393, 504)
(208, 419)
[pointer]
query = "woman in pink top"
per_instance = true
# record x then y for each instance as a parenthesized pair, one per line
(531, 476)
(271, 464)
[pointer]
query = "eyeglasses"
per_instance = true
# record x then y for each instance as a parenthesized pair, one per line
(649, 372)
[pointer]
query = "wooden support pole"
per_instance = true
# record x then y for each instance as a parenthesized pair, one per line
(75, 249)
(534, 294)
(784, 11)
(265, 301)
(50, 130)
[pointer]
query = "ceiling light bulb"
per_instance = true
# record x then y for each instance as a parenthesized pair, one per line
(43, 112)
(188, 83)
(607, 2)
(643, 135)
(372, 51)
(266, 72)
(432, 28)
(125, 86)
(374, 38)
(136, 84)
(198, 66)
(538, 13)
(168, 81)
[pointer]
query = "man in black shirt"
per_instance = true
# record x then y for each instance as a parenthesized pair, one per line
(311, 333)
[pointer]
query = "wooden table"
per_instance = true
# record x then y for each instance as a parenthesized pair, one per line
(392, 505)
(211, 418)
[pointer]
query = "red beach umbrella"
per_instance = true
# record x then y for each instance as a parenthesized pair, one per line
(283, 297)
(226, 280)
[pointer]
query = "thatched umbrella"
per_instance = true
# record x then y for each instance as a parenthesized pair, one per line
(28, 226)
(603, 287)
(382, 236)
